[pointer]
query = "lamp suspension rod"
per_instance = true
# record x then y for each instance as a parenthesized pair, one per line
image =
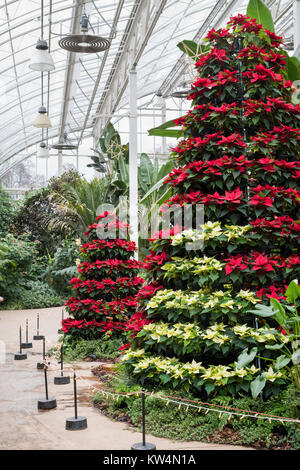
(42, 19)
(48, 84)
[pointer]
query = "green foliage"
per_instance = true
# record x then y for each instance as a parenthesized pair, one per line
(78, 202)
(62, 267)
(16, 257)
(39, 207)
(258, 10)
(164, 130)
(33, 294)
(6, 211)
(192, 49)
(77, 349)
(181, 424)
(286, 316)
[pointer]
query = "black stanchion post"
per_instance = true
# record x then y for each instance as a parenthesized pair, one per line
(26, 345)
(40, 365)
(46, 382)
(75, 395)
(62, 318)
(78, 422)
(143, 445)
(61, 379)
(46, 403)
(20, 355)
(38, 336)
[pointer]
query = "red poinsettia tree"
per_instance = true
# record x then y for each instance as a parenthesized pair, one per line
(239, 158)
(107, 282)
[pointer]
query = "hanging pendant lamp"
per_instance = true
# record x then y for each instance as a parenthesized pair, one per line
(42, 119)
(64, 144)
(84, 43)
(43, 151)
(159, 101)
(41, 60)
(182, 91)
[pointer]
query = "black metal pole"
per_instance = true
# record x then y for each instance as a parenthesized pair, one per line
(75, 395)
(26, 330)
(143, 418)
(61, 360)
(38, 324)
(20, 340)
(44, 348)
(46, 382)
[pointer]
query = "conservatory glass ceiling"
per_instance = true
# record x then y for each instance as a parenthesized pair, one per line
(75, 92)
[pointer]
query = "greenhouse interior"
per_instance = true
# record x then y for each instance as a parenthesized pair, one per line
(149, 227)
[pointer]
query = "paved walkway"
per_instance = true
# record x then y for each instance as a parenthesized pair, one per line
(23, 427)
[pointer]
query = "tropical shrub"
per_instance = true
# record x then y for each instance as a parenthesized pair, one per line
(38, 207)
(62, 267)
(238, 158)
(289, 322)
(34, 294)
(16, 257)
(6, 211)
(106, 284)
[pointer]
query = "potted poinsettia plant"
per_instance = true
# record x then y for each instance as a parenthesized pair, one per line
(289, 322)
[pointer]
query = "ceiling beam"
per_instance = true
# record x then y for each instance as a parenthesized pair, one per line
(70, 71)
(99, 75)
(135, 39)
(179, 69)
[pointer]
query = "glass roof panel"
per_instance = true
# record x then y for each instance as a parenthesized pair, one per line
(74, 90)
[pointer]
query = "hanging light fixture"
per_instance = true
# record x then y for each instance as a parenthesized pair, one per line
(182, 91)
(42, 119)
(41, 60)
(84, 43)
(159, 101)
(43, 151)
(63, 145)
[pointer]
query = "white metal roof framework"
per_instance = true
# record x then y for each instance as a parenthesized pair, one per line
(85, 90)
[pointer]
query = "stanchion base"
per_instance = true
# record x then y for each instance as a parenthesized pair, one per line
(26, 345)
(61, 380)
(40, 365)
(141, 446)
(20, 356)
(45, 404)
(38, 337)
(76, 424)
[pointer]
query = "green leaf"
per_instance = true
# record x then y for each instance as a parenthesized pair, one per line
(192, 49)
(296, 357)
(157, 186)
(257, 385)
(209, 388)
(245, 357)
(263, 311)
(293, 291)
(258, 10)
(164, 130)
(281, 362)
(274, 346)
(293, 68)
(157, 132)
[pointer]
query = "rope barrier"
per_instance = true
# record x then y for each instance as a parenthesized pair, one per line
(201, 406)
(183, 401)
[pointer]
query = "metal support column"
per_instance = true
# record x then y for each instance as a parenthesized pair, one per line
(297, 27)
(59, 163)
(77, 160)
(163, 120)
(133, 164)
